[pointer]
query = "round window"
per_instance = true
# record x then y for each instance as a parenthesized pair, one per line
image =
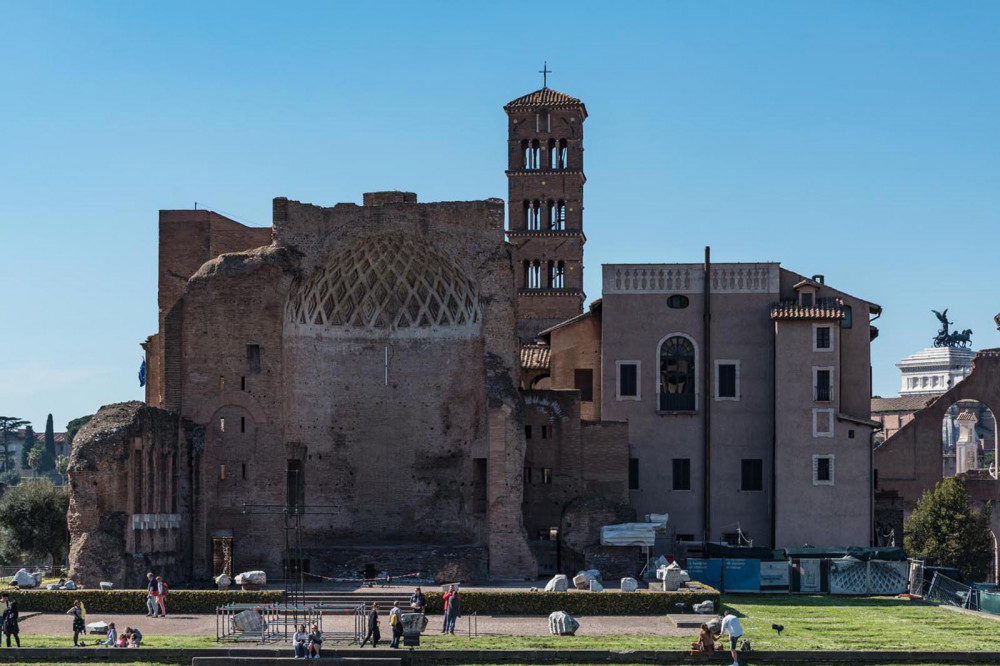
(677, 301)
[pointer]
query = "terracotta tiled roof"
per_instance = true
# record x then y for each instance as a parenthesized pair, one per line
(544, 97)
(825, 308)
(535, 357)
(906, 403)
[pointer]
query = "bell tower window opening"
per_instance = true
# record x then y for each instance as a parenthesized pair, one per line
(553, 154)
(557, 272)
(533, 274)
(532, 154)
(557, 216)
(542, 121)
(533, 215)
(562, 155)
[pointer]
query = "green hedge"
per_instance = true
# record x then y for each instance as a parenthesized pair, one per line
(520, 602)
(134, 601)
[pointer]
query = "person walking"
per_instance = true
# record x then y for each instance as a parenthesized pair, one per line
(396, 624)
(78, 627)
(10, 623)
(454, 610)
(373, 632)
(152, 591)
(731, 625)
(161, 595)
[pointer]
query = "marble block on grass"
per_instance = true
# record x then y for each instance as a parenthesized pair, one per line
(559, 583)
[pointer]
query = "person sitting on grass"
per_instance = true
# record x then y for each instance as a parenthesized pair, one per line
(705, 645)
(111, 638)
(135, 638)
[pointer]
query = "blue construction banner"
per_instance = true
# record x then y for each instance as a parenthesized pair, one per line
(741, 575)
(708, 572)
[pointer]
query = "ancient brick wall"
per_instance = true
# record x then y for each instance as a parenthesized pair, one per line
(129, 497)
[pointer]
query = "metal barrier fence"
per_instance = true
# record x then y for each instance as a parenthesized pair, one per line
(277, 622)
(947, 591)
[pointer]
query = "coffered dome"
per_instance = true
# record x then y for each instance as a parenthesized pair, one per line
(387, 284)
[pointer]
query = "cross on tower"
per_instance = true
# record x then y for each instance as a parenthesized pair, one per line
(545, 71)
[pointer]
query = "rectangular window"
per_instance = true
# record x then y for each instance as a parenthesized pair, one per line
(583, 381)
(628, 380)
(243, 424)
(822, 470)
(546, 431)
(806, 299)
(253, 359)
(821, 339)
(546, 475)
(243, 383)
(527, 475)
(222, 472)
(527, 432)
(633, 474)
(244, 471)
(682, 474)
(222, 425)
(752, 474)
(727, 380)
(823, 384)
(222, 383)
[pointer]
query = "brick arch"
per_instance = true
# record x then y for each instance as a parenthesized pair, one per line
(234, 398)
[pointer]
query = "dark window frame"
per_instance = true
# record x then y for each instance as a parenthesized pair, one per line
(680, 478)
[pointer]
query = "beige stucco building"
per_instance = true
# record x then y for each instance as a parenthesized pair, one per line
(746, 391)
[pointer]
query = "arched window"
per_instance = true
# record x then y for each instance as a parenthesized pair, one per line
(533, 215)
(677, 375)
(562, 155)
(532, 154)
(533, 275)
(557, 273)
(553, 160)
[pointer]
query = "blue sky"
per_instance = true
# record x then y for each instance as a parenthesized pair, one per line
(855, 139)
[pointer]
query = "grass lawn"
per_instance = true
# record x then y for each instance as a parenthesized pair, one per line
(811, 623)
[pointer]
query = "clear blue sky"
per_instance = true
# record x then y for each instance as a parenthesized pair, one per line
(855, 139)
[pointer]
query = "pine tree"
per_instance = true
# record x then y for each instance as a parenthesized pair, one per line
(944, 530)
(49, 461)
(9, 426)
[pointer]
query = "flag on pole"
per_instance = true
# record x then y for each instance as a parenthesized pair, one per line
(142, 373)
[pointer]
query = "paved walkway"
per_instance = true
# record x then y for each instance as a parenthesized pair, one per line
(508, 625)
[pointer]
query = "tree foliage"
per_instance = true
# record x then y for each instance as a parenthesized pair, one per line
(49, 460)
(944, 530)
(33, 522)
(74, 426)
(28, 441)
(9, 426)
(62, 465)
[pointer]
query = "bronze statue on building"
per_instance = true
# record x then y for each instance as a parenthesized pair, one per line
(944, 338)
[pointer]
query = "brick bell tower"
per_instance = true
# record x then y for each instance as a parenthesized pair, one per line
(545, 207)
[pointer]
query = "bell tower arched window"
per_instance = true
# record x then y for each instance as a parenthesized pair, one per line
(677, 374)
(533, 274)
(533, 215)
(557, 215)
(532, 154)
(557, 275)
